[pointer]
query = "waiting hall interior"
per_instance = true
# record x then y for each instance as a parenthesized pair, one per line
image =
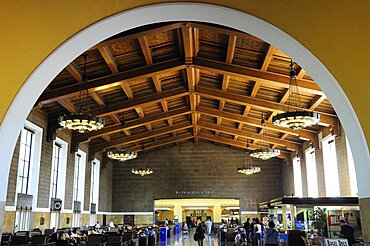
(165, 128)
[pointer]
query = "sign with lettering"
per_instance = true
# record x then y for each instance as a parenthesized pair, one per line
(334, 220)
(198, 214)
(336, 242)
(195, 192)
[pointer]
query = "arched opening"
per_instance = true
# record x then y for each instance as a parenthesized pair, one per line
(182, 12)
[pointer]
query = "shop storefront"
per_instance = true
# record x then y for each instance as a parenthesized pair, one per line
(321, 214)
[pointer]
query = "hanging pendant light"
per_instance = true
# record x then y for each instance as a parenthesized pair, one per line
(264, 153)
(121, 155)
(82, 121)
(295, 119)
(142, 171)
(248, 168)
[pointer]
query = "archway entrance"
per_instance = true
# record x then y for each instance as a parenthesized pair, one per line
(181, 12)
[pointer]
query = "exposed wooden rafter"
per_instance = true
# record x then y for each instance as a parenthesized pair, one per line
(186, 81)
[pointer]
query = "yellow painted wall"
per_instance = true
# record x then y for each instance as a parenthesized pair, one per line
(65, 220)
(117, 219)
(143, 220)
(337, 32)
(163, 215)
(36, 220)
(85, 219)
(9, 219)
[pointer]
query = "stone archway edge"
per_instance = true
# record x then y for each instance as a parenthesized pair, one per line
(64, 54)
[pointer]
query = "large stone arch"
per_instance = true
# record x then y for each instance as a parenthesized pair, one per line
(110, 26)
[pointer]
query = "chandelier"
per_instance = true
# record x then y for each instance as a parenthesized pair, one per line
(121, 155)
(142, 171)
(247, 168)
(295, 119)
(264, 153)
(82, 121)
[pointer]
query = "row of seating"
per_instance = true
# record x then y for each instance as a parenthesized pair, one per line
(109, 239)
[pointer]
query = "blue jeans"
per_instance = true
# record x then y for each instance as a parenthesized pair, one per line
(200, 242)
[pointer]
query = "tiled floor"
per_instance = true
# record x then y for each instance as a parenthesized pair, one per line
(187, 240)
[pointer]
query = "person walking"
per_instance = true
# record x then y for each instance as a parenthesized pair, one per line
(208, 224)
(247, 228)
(257, 233)
(199, 235)
(272, 236)
(347, 232)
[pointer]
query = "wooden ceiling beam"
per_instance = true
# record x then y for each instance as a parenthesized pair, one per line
(232, 131)
(157, 83)
(283, 98)
(78, 138)
(326, 118)
(130, 95)
(166, 141)
(301, 73)
(144, 44)
(68, 105)
(268, 57)
(235, 143)
(140, 102)
(265, 78)
(231, 48)
(143, 41)
(253, 93)
(303, 133)
(196, 40)
(188, 42)
(139, 137)
(97, 98)
(106, 138)
(109, 59)
(225, 85)
(74, 71)
(116, 120)
(316, 102)
(112, 80)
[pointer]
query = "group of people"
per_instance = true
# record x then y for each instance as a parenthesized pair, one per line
(257, 234)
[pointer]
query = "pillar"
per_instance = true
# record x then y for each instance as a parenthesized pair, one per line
(217, 214)
(2, 215)
(293, 213)
(284, 216)
(177, 211)
(365, 219)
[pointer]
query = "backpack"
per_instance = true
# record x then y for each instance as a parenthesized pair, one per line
(196, 236)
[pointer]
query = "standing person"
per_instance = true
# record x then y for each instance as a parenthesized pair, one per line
(97, 225)
(247, 228)
(199, 235)
(208, 224)
(272, 236)
(111, 224)
(166, 222)
(347, 232)
(258, 233)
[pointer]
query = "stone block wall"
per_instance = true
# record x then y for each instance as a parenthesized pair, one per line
(194, 171)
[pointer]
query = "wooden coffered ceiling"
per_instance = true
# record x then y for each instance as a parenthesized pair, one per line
(168, 83)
